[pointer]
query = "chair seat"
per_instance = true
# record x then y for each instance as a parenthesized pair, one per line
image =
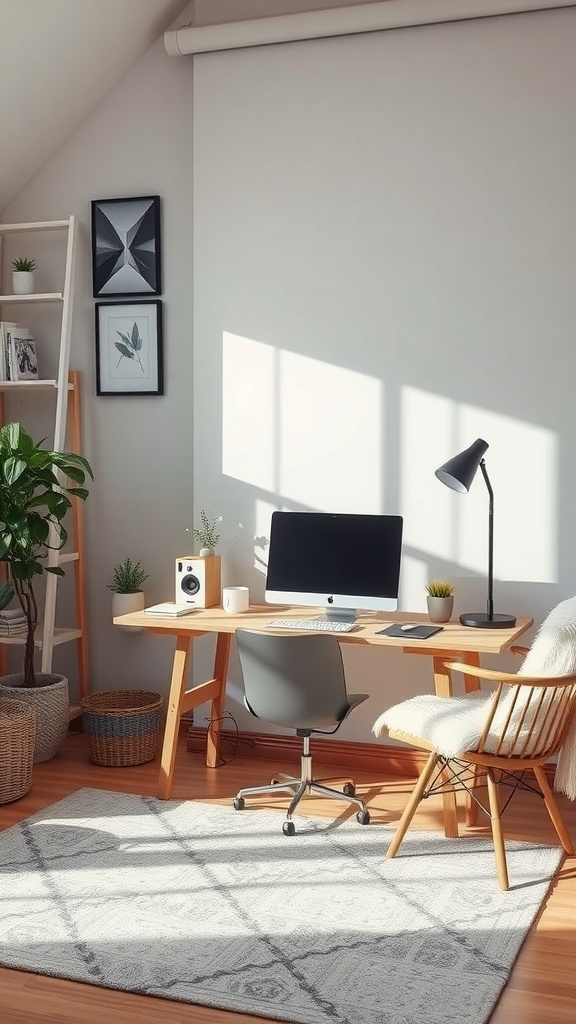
(450, 725)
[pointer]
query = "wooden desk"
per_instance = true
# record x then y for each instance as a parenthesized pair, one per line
(453, 643)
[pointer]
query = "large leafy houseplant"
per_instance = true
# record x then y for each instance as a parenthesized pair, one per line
(36, 491)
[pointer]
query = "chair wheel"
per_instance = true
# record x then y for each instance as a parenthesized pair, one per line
(238, 803)
(289, 828)
(349, 789)
(363, 817)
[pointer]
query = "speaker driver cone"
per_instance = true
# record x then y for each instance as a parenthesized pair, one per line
(190, 584)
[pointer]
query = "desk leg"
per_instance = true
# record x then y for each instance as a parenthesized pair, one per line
(472, 683)
(221, 659)
(175, 695)
(443, 687)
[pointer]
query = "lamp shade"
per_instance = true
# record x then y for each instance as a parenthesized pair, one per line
(459, 472)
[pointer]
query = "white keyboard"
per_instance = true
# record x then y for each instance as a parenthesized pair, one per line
(325, 625)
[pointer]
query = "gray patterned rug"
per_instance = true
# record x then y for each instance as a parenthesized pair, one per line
(208, 905)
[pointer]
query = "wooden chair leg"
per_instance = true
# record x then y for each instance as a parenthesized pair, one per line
(554, 811)
(497, 835)
(410, 809)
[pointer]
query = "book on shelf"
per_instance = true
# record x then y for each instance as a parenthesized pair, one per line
(12, 622)
(18, 360)
(6, 329)
(9, 630)
(25, 362)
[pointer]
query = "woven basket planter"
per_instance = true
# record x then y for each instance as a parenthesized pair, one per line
(50, 699)
(17, 735)
(122, 726)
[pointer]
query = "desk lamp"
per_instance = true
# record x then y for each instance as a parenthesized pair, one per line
(458, 473)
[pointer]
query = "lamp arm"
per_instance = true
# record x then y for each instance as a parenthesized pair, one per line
(490, 606)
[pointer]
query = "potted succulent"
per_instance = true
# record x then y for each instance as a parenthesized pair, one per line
(23, 275)
(37, 487)
(440, 600)
(126, 587)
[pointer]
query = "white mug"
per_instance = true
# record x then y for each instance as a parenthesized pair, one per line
(235, 599)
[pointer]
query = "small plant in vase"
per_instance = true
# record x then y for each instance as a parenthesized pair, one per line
(23, 275)
(440, 600)
(127, 577)
(206, 535)
(126, 586)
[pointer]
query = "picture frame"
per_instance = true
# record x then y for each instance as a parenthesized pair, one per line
(129, 348)
(126, 250)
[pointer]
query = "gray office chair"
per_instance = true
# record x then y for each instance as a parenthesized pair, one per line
(297, 681)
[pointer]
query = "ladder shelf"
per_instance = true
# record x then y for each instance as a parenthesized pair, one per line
(66, 436)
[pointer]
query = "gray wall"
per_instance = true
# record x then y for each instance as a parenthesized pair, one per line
(383, 224)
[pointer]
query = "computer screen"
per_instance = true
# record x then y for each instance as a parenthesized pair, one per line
(338, 561)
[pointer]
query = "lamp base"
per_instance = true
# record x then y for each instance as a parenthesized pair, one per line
(481, 620)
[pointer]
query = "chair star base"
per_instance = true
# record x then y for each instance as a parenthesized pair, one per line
(303, 786)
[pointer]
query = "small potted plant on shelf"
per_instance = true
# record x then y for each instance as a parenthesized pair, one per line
(23, 275)
(126, 587)
(37, 487)
(440, 600)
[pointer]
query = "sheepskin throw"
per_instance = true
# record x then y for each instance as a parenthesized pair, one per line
(553, 653)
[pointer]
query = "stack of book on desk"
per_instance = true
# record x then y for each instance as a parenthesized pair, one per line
(12, 622)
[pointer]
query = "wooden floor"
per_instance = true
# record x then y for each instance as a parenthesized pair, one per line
(542, 989)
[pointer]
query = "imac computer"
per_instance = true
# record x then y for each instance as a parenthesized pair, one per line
(341, 562)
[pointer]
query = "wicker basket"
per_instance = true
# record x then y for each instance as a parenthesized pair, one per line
(122, 726)
(17, 735)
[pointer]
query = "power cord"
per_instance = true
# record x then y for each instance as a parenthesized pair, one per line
(233, 741)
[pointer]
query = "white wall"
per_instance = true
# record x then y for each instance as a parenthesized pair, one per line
(444, 309)
(384, 243)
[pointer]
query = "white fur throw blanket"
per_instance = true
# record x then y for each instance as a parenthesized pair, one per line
(553, 653)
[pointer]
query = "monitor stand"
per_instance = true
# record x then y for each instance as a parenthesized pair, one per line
(341, 614)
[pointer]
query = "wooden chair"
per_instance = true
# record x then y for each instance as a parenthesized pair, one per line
(525, 723)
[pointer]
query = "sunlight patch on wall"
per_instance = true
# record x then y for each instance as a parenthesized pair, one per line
(249, 401)
(301, 428)
(522, 464)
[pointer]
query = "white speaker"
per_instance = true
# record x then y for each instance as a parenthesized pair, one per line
(198, 581)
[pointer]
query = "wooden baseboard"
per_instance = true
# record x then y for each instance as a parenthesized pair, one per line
(371, 757)
(381, 758)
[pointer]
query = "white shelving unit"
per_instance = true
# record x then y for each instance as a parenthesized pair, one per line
(66, 390)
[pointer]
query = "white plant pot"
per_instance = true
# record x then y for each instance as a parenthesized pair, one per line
(122, 604)
(22, 282)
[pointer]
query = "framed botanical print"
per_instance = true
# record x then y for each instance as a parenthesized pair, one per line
(129, 358)
(126, 247)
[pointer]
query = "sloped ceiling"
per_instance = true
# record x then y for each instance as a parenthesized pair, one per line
(58, 59)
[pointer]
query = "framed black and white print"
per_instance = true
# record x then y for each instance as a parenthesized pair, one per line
(126, 246)
(129, 348)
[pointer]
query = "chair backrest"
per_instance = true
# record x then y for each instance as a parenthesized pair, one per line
(531, 718)
(294, 680)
